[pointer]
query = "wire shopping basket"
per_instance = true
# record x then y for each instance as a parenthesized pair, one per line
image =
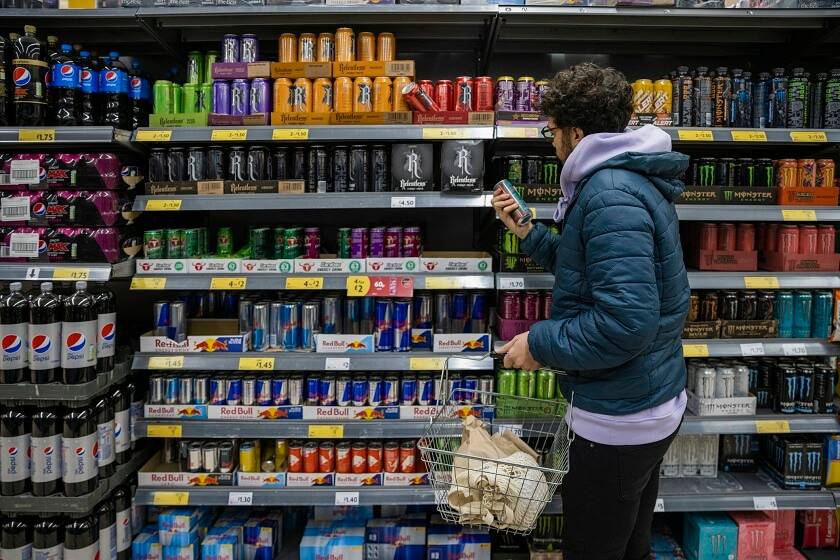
(508, 493)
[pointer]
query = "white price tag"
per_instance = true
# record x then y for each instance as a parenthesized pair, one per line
(752, 349)
(659, 506)
(763, 503)
(240, 498)
(346, 498)
(506, 283)
(14, 209)
(403, 202)
(25, 172)
(23, 245)
(795, 349)
(33, 273)
(337, 364)
(515, 429)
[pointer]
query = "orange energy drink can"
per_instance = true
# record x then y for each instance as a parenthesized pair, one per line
(806, 173)
(326, 47)
(386, 47)
(391, 461)
(310, 457)
(643, 96)
(366, 47)
(288, 47)
(342, 457)
(825, 172)
(306, 47)
(326, 457)
(302, 96)
(382, 100)
(374, 457)
(295, 456)
(662, 96)
(399, 83)
(343, 94)
(358, 457)
(345, 45)
(283, 95)
(362, 95)
(322, 96)
(787, 173)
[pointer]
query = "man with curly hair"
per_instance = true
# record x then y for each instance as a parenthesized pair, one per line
(619, 302)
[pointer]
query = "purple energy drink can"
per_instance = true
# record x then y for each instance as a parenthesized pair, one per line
(402, 325)
(358, 243)
(383, 327)
(344, 391)
(361, 388)
(393, 242)
(260, 97)
(377, 243)
(221, 97)
(505, 94)
(240, 94)
(523, 95)
(217, 390)
(426, 390)
(262, 392)
(249, 50)
(312, 243)
(391, 390)
(279, 391)
(230, 48)
(459, 315)
(411, 242)
(234, 391)
(408, 390)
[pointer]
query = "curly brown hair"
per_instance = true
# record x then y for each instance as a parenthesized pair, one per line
(589, 97)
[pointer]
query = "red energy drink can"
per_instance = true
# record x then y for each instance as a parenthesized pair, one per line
(546, 301)
(745, 237)
(771, 232)
(326, 457)
(428, 87)
(418, 99)
(407, 457)
(726, 237)
(310, 457)
(708, 237)
(483, 93)
(825, 239)
(295, 456)
(511, 305)
(391, 461)
(374, 457)
(788, 239)
(808, 240)
(443, 94)
(358, 457)
(463, 97)
(343, 460)
(531, 306)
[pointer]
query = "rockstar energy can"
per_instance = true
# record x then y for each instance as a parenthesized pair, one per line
(302, 96)
(662, 96)
(399, 83)
(283, 95)
(343, 94)
(382, 101)
(322, 96)
(642, 96)
(362, 95)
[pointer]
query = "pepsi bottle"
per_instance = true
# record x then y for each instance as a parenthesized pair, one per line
(14, 331)
(29, 71)
(139, 95)
(65, 88)
(122, 507)
(15, 539)
(47, 539)
(106, 515)
(88, 91)
(5, 91)
(45, 336)
(113, 85)
(14, 452)
(81, 538)
(78, 331)
(52, 48)
(135, 397)
(46, 452)
(104, 411)
(122, 424)
(79, 471)
(106, 328)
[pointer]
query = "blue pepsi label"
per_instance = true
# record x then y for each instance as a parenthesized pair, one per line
(135, 90)
(145, 89)
(112, 81)
(89, 80)
(66, 75)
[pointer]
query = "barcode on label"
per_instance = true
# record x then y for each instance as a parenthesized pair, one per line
(25, 171)
(5, 179)
(14, 209)
(401, 68)
(4, 251)
(23, 245)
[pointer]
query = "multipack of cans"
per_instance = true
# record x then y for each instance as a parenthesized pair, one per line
(521, 94)
(65, 170)
(760, 172)
(195, 95)
(91, 208)
(531, 305)
(66, 244)
(464, 94)
(691, 455)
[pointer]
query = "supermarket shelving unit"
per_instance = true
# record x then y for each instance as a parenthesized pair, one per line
(27, 393)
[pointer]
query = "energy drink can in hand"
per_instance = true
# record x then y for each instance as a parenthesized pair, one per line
(521, 215)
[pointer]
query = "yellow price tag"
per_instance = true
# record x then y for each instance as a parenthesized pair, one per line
(749, 136)
(140, 283)
(228, 135)
(696, 350)
(153, 136)
(772, 427)
(163, 204)
(799, 215)
(163, 430)
(695, 135)
(290, 134)
(425, 364)
(328, 431)
(305, 283)
(261, 364)
(358, 285)
(442, 282)
(36, 135)
(761, 282)
(519, 132)
(235, 283)
(443, 133)
(61, 273)
(809, 136)
(170, 498)
(166, 362)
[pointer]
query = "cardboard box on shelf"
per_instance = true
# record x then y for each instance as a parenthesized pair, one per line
(474, 118)
(749, 329)
(374, 118)
(295, 70)
(256, 119)
(299, 119)
(169, 475)
(756, 534)
(738, 196)
(177, 120)
(218, 188)
(724, 261)
(375, 68)
(795, 262)
(261, 480)
(203, 335)
(701, 329)
(456, 261)
(733, 406)
(342, 539)
(241, 70)
(820, 196)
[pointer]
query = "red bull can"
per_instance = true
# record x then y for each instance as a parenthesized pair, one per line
(423, 310)
(289, 330)
(469, 389)
(402, 325)
(156, 389)
(262, 392)
(161, 318)
(260, 331)
(375, 395)
(309, 325)
(312, 390)
(331, 314)
(217, 391)
(327, 391)
(443, 306)
(478, 313)
(279, 391)
(352, 310)
(408, 390)
(201, 385)
(344, 390)
(390, 390)
(170, 390)
(249, 396)
(426, 390)
(460, 312)
(185, 390)
(453, 392)
(361, 390)
(233, 391)
(383, 332)
(295, 390)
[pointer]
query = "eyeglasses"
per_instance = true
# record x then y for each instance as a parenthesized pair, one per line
(548, 131)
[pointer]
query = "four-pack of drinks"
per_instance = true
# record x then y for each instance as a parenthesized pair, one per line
(66, 244)
(798, 247)
(65, 170)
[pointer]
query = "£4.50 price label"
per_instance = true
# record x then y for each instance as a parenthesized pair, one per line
(235, 283)
(403, 202)
(258, 364)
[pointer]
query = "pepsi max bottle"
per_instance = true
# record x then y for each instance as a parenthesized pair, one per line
(79, 470)
(47, 539)
(46, 452)
(88, 91)
(122, 424)
(14, 327)
(15, 539)
(113, 85)
(107, 530)
(104, 411)
(45, 336)
(29, 71)
(14, 452)
(65, 88)
(122, 506)
(106, 320)
(78, 330)
(81, 538)
(139, 96)
(5, 91)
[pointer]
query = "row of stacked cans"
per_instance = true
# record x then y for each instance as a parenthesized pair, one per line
(100, 208)
(357, 457)
(531, 305)
(63, 244)
(522, 94)
(528, 170)
(343, 94)
(319, 389)
(88, 170)
(464, 94)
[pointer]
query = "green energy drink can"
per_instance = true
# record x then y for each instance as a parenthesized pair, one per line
(177, 98)
(162, 97)
(521, 215)
(707, 170)
(278, 242)
(175, 244)
(190, 94)
(205, 98)
(210, 58)
(526, 383)
(513, 169)
(510, 243)
(192, 243)
(546, 384)
(293, 243)
(344, 243)
(551, 171)
(224, 242)
(260, 241)
(506, 382)
(154, 246)
(195, 68)
(205, 241)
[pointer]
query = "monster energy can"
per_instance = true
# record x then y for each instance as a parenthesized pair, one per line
(551, 171)
(765, 173)
(510, 243)
(706, 171)
(521, 215)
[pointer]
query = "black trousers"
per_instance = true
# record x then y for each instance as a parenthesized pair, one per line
(608, 498)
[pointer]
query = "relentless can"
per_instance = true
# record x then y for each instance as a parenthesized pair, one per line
(230, 48)
(386, 47)
(288, 47)
(463, 99)
(162, 97)
(365, 47)
(249, 48)
(343, 94)
(260, 97)
(397, 88)
(382, 98)
(325, 51)
(359, 170)
(322, 96)
(362, 95)
(483, 93)
(522, 215)
(418, 100)
(306, 47)
(240, 95)
(345, 45)
(284, 95)
(444, 91)
(302, 96)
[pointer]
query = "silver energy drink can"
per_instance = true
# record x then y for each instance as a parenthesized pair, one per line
(249, 391)
(200, 392)
(156, 389)
(521, 215)
(178, 321)
(194, 456)
(274, 338)
(296, 390)
(185, 390)
(210, 457)
(260, 331)
(310, 325)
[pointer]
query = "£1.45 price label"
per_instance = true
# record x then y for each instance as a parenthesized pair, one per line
(256, 364)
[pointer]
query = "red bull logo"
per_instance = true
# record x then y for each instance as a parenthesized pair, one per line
(203, 480)
(474, 345)
(211, 345)
(418, 338)
(356, 345)
(273, 413)
(417, 480)
(189, 411)
(320, 481)
(370, 414)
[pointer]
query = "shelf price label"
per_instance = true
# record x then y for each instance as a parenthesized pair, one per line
(163, 205)
(761, 282)
(141, 283)
(795, 349)
(163, 430)
(257, 364)
(799, 215)
(240, 498)
(290, 134)
(326, 431)
(63, 273)
(772, 427)
(749, 136)
(33, 273)
(659, 506)
(752, 349)
(695, 135)
(403, 202)
(518, 132)
(507, 283)
(442, 133)
(153, 136)
(346, 498)
(305, 283)
(443, 282)
(170, 498)
(337, 364)
(36, 135)
(696, 350)
(515, 429)
(808, 136)
(222, 283)
(166, 362)
(381, 286)
(425, 364)
(229, 135)
(764, 503)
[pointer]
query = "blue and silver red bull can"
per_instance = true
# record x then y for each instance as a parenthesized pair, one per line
(233, 394)
(327, 391)
(240, 96)
(230, 305)
(352, 315)
(217, 391)
(289, 326)
(309, 325)
(274, 312)
(443, 313)
(366, 314)
(361, 390)
(344, 390)
(375, 394)
(331, 315)
(469, 389)
(280, 391)
(221, 97)
(453, 392)
(260, 96)
(201, 389)
(383, 328)
(423, 310)
(312, 390)
(408, 390)
(426, 390)
(262, 392)
(478, 313)
(259, 332)
(170, 390)
(161, 319)
(391, 390)
(460, 312)
(246, 315)
(402, 325)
